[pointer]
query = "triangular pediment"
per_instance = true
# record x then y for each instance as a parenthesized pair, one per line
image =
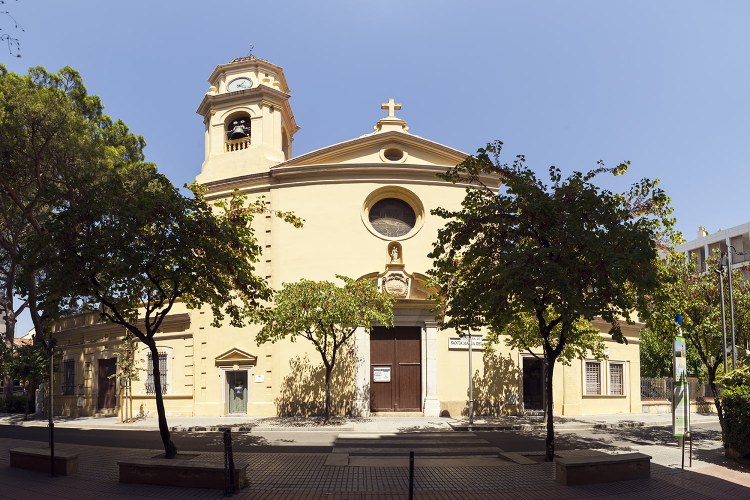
(235, 357)
(375, 149)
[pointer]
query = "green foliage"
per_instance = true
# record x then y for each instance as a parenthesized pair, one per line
(736, 378)
(128, 365)
(657, 358)
(695, 295)
(56, 149)
(558, 253)
(30, 364)
(326, 315)
(18, 403)
(582, 340)
(735, 404)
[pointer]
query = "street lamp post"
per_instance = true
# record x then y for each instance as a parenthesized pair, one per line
(49, 346)
(720, 272)
(731, 309)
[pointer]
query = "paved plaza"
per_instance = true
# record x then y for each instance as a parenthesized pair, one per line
(368, 460)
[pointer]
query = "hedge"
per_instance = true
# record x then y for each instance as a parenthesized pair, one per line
(17, 404)
(735, 405)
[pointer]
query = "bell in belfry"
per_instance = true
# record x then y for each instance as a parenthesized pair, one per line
(238, 130)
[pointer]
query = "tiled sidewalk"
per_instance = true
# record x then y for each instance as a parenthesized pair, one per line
(304, 476)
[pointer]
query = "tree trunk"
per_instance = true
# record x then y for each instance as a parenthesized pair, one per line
(170, 450)
(328, 394)
(7, 386)
(548, 406)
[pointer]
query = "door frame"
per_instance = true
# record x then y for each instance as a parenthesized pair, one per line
(224, 384)
(422, 367)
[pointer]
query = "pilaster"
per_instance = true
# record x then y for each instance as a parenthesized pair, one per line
(362, 381)
(431, 401)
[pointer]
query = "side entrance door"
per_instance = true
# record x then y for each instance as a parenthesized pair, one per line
(395, 369)
(237, 392)
(107, 397)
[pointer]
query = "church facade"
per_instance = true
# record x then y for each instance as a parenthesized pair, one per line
(366, 203)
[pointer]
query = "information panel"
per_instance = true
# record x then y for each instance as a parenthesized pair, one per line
(381, 373)
(681, 401)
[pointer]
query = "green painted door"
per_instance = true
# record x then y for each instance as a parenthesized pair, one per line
(237, 391)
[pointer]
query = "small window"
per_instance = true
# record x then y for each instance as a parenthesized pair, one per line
(593, 378)
(150, 385)
(617, 379)
(393, 154)
(69, 377)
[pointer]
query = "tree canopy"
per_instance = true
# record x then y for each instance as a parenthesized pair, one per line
(559, 253)
(55, 141)
(326, 315)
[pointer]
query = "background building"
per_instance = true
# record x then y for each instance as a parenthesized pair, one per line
(702, 247)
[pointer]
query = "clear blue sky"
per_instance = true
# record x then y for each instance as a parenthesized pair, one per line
(663, 84)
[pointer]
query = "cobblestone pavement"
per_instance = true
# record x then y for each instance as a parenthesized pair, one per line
(305, 476)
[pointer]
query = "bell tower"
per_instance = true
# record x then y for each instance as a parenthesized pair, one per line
(249, 124)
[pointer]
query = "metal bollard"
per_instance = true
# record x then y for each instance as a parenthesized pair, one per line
(411, 475)
(229, 487)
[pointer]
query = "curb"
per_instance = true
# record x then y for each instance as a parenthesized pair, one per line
(540, 427)
(258, 428)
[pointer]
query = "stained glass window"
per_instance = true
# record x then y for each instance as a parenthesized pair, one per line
(392, 217)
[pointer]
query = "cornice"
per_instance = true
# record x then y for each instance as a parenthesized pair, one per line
(254, 63)
(171, 320)
(320, 155)
(335, 174)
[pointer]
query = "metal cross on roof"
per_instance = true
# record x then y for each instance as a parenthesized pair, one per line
(391, 106)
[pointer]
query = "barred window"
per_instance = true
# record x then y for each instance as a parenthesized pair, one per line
(150, 385)
(617, 379)
(69, 377)
(593, 378)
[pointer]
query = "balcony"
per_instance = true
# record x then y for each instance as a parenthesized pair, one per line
(237, 144)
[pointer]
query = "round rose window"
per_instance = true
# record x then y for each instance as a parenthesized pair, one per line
(392, 217)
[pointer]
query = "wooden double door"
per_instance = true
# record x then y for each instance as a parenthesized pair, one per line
(396, 369)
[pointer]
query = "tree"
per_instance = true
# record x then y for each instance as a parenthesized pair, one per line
(129, 370)
(147, 247)
(29, 365)
(657, 356)
(326, 315)
(695, 295)
(560, 253)
(55, 144)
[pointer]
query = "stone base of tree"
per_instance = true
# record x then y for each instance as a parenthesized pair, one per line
(602, 468)
(179, 472)
(66, 463)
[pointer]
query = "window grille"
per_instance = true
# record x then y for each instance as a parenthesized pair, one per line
(150, 385)
(593, 377)
(616, 379)
(69, 377)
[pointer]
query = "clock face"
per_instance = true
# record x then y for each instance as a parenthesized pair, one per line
(239, 84)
